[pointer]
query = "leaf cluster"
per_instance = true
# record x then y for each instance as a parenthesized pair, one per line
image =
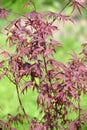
(32, 65)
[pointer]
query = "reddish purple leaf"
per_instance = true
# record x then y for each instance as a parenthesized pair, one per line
(26, 85)
(1, 64)
(72, 126)
(55, 43)
(76, 5)
(3, 13)
(64, 18)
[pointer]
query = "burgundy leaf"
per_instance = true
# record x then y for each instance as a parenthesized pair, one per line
(64, 18)
(72, 126)
(3, 13)
(39, 127)
(84, 116)
(38, 51)
(1, 64)
(77, 5)
(40, 98)
(55, 43)
(1, 76)
(55, 86)
(47, 52)
(51, 14)
(5, 54)
(26, 85)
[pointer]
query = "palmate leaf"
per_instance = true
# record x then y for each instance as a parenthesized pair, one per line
(64, 18)
(55, 43)
(39, 127)
(76, 5)
(5, 54)
(72, 126)
(50, 15)
(26, 85)
(2, 63)
(3, 13)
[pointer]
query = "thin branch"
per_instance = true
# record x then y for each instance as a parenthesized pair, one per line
(45, 64)
(18, 95)
(21, 105)
(46, 71)
(79, 112)
(8, 77)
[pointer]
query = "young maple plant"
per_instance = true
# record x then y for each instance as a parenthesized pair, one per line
(32, 65)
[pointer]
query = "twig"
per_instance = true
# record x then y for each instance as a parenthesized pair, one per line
(21, 105)
(18, 95)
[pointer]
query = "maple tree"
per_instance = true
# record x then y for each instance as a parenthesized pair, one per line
(32, 65)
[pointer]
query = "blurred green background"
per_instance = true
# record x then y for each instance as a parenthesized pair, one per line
(70, 35)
